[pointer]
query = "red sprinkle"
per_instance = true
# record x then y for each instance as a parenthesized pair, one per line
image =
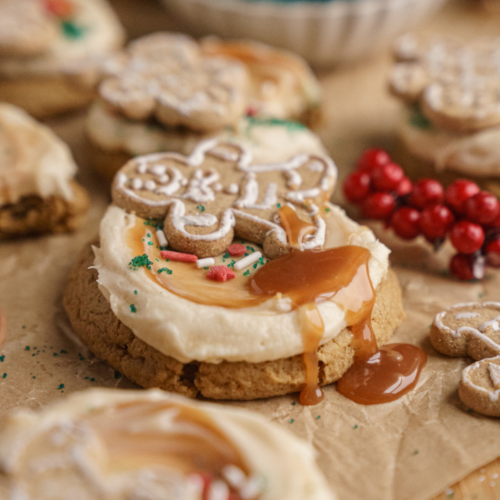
(178, 257)
(220, 273)
(60, 8)
(236, 249)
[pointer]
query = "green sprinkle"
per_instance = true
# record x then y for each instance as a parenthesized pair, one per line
(278, 205)
(33, 376)
(118, 375)
(255, 265)
(4, 375)
(27, 348)
(355, 427)
(480, 295)
(246, 273)
(2, 357)
(24, 326)
(206, 268)
(250, 249)
(327, 209)
(63, 351)
(165, 269)
(294, 403)
(291, 420)
(60, 386)
(133, 308)
(419, 120)
(415, 452)
(201, 208)
(72, 30)
(92, 379)
(135, 292)
(275, 122)
(55, 354)
(226, 255)
(318, 417)
(141, 261)
(150, 243)
(149, 235)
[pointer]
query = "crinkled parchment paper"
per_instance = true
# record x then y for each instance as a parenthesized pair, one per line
(410, 449)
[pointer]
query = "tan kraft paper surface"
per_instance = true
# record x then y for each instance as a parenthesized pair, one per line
(411, 449)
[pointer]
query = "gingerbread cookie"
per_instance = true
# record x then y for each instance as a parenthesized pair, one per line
(473, 329)
(38, 193)
(117, 445)
(218, 192)
(167, 77)
(52, 52)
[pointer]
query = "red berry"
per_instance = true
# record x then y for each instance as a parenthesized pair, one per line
(378, 206)
(467, 237)
(482, 208)
(405, 223)
(496, 222)
(357, 186)
(461, 266)
(373, 158)
(459, 192)
(435, 222)
(492, 251)
(426, 192)
(404, 187)
(387, 177)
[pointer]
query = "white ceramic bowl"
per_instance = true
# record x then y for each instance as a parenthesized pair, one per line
(323, 33)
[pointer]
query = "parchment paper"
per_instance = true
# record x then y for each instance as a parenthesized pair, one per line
(410, 449)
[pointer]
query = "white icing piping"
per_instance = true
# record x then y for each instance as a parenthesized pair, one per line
(318, 238)
(274, 228)
(302, 196)
(199, 186)
(466, 315)
(493, 395)
(251, 195)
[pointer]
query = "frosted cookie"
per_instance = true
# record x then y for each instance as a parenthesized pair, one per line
(216, 322)
(282, 85)
(167, 93)
(118, 445)
(52, 51)
(450, 87)
(473, 329)
(38, 193)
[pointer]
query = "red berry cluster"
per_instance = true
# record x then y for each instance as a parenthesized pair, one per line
(469, 216)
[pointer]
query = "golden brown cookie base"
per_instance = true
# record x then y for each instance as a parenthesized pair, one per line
(109, 339)
(36, 215)
(106, 163)
(47, 96)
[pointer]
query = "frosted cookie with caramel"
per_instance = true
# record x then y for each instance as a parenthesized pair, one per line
(38, 193)
(118, 445)
(167, 93)
(450, 90)
(220, 276)
(52, 50)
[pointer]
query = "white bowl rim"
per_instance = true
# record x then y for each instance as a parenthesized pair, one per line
(333, 8)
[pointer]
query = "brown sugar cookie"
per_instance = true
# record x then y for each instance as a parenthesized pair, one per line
(109, 339)
(38, 193)
(165, 76)
(473, 329)
(218, 192)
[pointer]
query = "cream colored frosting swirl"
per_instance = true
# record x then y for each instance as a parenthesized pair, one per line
(191, 331)
(123, 445)
(267, 139)
(33, 160)
(102, 33)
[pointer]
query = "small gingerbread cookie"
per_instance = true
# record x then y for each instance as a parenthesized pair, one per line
(51, 52)
(473, 329)
(38, 193)
(218, 192)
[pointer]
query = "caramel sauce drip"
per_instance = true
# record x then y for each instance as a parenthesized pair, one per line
(133, 437)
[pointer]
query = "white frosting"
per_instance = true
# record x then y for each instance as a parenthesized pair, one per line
(33, 160)
(466, 315)
(494, 373)
(188, 331)
(466, 380)
(103, 34)
(476, 154)
(44, 456)
(267, 142)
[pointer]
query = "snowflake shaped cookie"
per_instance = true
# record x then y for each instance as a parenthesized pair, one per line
(165, 76)
(473, 329)
(457, 84)
(218, 192)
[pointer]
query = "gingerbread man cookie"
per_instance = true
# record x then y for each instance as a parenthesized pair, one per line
(166, 76)
(473, 329)
(218, 192)
(455, 83)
